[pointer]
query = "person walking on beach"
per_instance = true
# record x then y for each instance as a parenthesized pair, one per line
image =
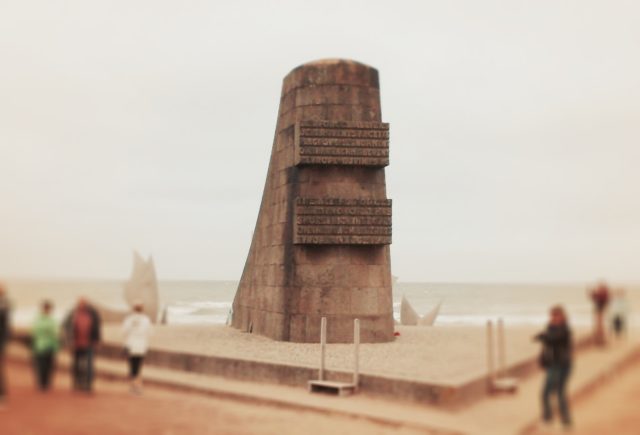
(136, 329)
(82, 330)
(600, 298)
(45, 344)
(619, 311)
(5, 333)
(556, 358)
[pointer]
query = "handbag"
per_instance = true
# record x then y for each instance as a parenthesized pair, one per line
(546, 357)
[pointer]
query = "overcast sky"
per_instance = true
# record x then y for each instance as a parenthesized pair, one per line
(515, 129)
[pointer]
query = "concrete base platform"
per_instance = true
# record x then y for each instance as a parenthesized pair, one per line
(245, 357)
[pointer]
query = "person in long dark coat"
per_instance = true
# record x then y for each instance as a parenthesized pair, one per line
(556, 358)
(5, 333)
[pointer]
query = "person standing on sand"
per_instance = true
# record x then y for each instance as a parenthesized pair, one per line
(136, 329)
(556, 358)
(82, 331)
(5, 333)
(45, 344)
(600, 297)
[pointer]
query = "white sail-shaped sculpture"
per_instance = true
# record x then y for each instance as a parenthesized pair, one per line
(430, 318)
(409, 316)
(142, 287)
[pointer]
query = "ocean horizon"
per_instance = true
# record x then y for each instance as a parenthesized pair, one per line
(209, 301)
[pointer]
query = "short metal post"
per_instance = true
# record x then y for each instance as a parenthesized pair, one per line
(502, 363)
(490, 352)
(356, 350)
(323, 345)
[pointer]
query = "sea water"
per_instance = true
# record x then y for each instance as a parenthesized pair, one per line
(209, 302)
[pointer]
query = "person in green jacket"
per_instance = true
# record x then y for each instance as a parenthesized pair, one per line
(45, 339)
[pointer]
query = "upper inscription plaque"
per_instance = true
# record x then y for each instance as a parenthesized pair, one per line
(354, 143)
(335, 221)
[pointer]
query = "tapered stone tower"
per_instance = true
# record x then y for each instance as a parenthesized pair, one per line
(321, 242)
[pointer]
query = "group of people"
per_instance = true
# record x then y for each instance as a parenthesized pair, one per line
(81, 334)
(556, 356)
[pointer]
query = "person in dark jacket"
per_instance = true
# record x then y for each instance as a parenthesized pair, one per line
(82, 332)
(4, 339)
(600, 296)
(556, 358)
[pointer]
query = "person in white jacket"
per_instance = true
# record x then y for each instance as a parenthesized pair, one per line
(137, 330)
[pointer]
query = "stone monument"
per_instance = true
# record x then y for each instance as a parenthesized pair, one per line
(321, 242)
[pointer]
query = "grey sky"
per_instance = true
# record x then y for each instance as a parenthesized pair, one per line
(148, 125)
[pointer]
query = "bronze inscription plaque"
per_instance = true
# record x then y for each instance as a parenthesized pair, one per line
(355, 143)
(336, 221)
